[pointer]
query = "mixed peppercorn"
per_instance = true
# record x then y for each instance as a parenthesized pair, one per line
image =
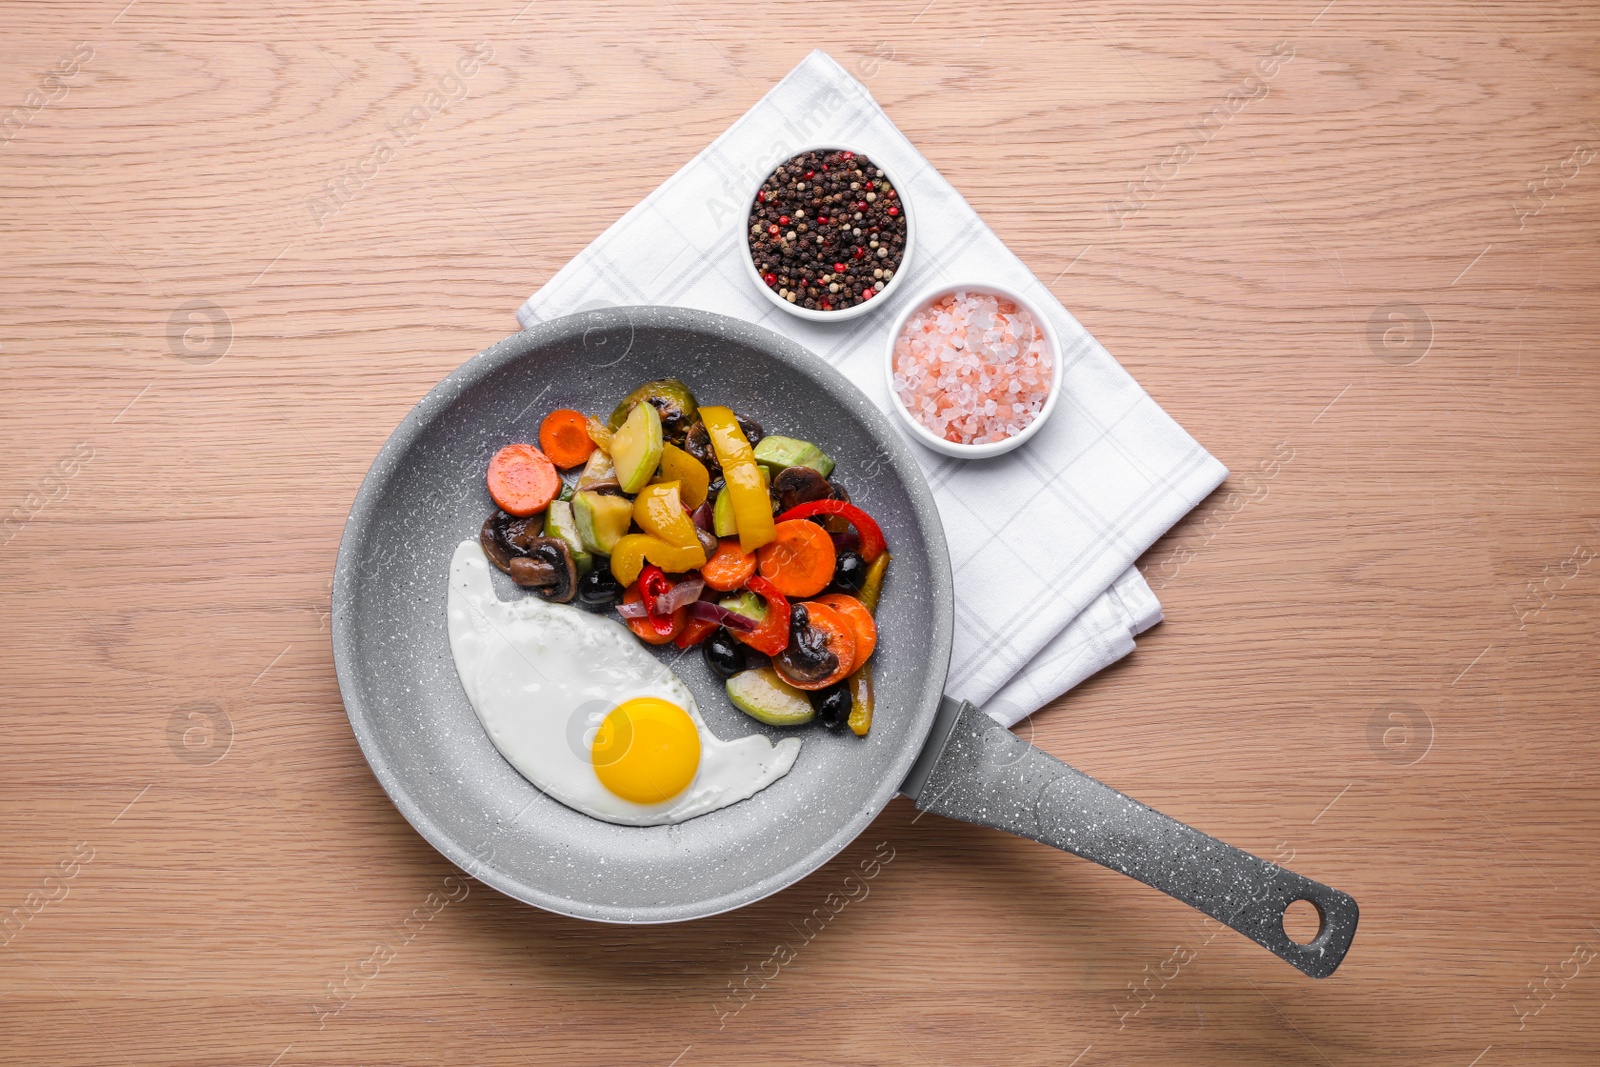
(827, 230)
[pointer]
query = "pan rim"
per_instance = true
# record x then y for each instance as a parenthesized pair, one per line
(384, 468)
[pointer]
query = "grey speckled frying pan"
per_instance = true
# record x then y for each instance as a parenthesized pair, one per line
(425, 493)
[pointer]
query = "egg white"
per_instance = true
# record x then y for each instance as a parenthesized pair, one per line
(541, 677)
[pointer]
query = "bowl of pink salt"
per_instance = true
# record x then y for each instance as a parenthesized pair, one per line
(973, 369)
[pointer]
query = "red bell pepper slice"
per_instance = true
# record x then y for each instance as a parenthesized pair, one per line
(696, 631)
(653, 583)
(872, 542)
(772, 636)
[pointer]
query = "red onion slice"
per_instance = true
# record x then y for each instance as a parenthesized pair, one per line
(708, 609)
(702, 517)
(683, 594)
(849, 541)
(635, 610)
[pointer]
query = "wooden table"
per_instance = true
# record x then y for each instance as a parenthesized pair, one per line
(1351, 248)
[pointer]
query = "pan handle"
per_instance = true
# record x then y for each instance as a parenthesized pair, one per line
(990, 776)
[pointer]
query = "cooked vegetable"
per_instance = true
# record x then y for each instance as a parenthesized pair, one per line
(646, 628)
(773, 634)
(599, 588)
(724, 655)
(714, 612)
(781, 453)
(505, 537)
(751, 429)
(697, 442)
(708, 541)
(872, 542)
(872, 585)
(520, 534)
(747, 604)
(861, 690)
(832, 704)
(658, 509)
(602, 520)
(821, 648)
(599, 432)
(695, 631)
(492, 540)
(858, 618)
(655, 590)
(636, 448)
(861, 700)
(752, 507)
(673, 401)
(799, 485)
(851, 570)
(729, 567)
(598, 473)
(767, 698)
(630, 552)
(722, 515)
(682, 594)
(522, 480)
(799, 559)
(559, 521)
(690, 474)
(564, 436)
(547, 568)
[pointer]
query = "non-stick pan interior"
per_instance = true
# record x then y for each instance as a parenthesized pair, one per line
(425, 493)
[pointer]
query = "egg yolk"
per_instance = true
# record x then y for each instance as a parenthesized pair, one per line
(646, 750)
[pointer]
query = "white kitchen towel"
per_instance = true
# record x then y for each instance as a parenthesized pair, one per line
(1042, 539)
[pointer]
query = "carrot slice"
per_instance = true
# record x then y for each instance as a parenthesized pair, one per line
(841, 642)
(564, 436)
(729, 567)
(799, 560)
(522, 481)
(855, 613)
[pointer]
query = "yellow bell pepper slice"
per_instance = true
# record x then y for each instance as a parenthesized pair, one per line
(872, 585)
(629, 554)
(659, 512)
(752, 504)
(693, 479)
(861, 701)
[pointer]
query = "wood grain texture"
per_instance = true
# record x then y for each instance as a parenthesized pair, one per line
(1412, 540)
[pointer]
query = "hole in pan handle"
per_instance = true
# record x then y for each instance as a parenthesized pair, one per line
(975, 770)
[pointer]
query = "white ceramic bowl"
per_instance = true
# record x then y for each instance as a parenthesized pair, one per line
(866, 305)
(924, 436)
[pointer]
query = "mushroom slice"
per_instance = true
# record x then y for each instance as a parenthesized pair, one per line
(807, 658)
(520, 535)
(697, 442)
(799, 485)
(751, 429)
(548, 568)
(494, 545)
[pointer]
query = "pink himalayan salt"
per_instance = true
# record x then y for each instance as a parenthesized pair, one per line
(972, 367)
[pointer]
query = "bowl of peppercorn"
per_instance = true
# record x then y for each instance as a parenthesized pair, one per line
(828, 233)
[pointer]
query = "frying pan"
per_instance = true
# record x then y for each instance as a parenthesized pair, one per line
(425, 493)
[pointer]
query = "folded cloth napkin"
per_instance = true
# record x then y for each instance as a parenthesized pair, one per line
(1042, 539)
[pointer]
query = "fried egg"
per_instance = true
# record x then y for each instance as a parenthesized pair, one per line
(577, 705)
